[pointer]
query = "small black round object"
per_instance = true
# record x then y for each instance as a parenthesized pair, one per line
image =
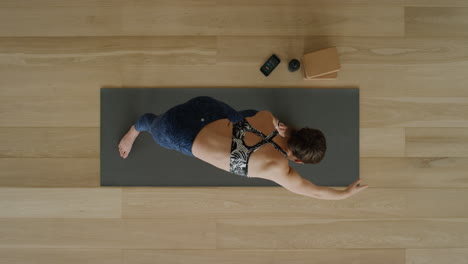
(294, 65)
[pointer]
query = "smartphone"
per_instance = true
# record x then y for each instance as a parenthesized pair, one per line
(270, 65)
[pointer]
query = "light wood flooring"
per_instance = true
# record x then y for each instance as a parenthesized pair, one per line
(408, 57)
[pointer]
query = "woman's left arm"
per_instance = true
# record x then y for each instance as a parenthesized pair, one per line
(281, 127)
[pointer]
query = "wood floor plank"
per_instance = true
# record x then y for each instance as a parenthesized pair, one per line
(289, 233)
(42, 111)
(60, 202)
(317, 3)
(416, 51)
(19, 142)
(382, 142)
(40, 21)
(389, 80)
(414, 112)
(45, 81)
(415, 172)
(56, 3)
(218, 76)
(337, 20)
(374, 203)
(108, 233)
(436, 21)
(436, 3)
(49, 172)
(263, 20)
(242, 50)
(374, 80)
(98, 51)
(162, 20)
(179, 50)
(437, 255)
(313, 256)
(59, 256)
(437, 142)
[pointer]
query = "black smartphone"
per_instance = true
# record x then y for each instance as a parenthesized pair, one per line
(270, 65)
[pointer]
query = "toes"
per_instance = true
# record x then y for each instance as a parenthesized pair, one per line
(123, 152)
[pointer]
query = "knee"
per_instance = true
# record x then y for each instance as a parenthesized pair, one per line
(144, 122)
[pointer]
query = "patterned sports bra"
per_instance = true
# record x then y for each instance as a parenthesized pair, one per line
(240, 152)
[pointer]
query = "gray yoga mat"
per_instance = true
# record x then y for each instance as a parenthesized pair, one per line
(334, 111)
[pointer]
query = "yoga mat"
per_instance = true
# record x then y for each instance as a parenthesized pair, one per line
(334, 111)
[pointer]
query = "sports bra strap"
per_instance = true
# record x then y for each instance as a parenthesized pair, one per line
(265, 139)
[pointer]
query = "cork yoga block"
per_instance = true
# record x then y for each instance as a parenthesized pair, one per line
(328, 76)
(321, 64)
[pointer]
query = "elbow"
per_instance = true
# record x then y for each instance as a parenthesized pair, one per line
(306, 188)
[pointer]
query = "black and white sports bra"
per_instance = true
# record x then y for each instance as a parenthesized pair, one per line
(240, 152)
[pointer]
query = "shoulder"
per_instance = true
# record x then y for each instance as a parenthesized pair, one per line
(266, 116)
(279, 172)
(271, 169)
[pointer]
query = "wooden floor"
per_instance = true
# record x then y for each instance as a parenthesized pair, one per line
(408, 57)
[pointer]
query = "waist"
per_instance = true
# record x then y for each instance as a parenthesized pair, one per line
(213, 143)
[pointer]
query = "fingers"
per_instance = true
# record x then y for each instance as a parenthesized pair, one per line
(280, 126)
(354, 184)
(357, 182)
(354, 187)
(361, 188)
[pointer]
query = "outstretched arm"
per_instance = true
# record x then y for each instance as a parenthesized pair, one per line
(296, 184)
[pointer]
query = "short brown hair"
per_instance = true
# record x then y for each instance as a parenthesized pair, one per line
(307, 144)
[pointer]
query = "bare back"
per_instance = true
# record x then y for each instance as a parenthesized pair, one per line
(213, 145)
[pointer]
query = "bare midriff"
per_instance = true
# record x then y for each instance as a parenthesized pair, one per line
(213, 144)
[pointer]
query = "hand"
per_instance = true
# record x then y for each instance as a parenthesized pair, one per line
(353, 188)
(281, 129)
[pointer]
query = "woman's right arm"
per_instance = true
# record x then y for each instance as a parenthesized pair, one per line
(296, 184)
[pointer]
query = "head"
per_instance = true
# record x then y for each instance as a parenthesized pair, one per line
(307, 145)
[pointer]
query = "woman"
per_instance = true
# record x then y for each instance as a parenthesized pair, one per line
(244, 143)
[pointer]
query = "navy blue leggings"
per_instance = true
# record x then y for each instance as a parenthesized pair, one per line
(177, 128)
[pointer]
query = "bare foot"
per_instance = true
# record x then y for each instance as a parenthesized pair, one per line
(126, 143)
